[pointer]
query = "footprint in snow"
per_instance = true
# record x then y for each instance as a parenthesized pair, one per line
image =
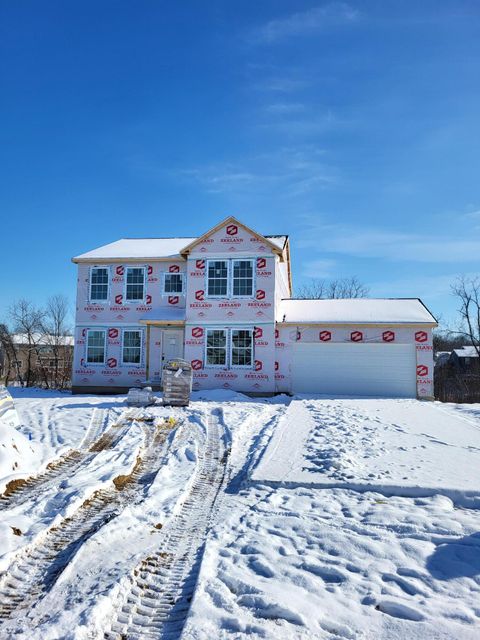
(397, 610)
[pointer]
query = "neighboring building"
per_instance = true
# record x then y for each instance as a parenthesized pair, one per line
(465, 360)
(223, 302)
(48, 358)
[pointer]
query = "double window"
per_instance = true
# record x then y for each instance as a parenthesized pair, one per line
(132, 347)
(98, 284)
(230, 278)
(135, 284)
(173, 283)
(232, 347)
(96, 346)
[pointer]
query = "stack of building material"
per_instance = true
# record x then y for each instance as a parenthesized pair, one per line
(177, 383)
(140, 397)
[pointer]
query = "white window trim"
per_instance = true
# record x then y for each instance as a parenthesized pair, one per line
(173, 293)
(253, 263)
(229, 349)
(241, 366)
(96, 364)
(132, 364)
(227, 295)
(216, 366)
(107, 299)
(140, 300)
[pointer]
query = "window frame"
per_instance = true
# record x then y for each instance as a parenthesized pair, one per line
(132, 364)
(90, 299)
(232, 277)
(227, 293)
(137, 300)
(252, 348)
(170, 293)
(98, 364)
(216, 366)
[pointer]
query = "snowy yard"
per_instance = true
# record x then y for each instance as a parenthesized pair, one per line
(322, 518)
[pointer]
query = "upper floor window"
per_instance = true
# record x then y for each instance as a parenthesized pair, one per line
(217, 278)
(173, 283)
(132, 347)
(242, 282)
(96, 347)
(135, 280)
(98, 284)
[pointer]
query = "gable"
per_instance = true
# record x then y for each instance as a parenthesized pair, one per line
(232, 236)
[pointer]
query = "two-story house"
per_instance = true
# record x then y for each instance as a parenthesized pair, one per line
(223, 302)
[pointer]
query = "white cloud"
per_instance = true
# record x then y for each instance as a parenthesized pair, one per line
(364, 242)
(306, 22)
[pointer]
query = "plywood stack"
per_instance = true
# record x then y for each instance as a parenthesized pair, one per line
(177, 383)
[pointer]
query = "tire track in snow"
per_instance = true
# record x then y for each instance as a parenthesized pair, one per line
(36, 569)
(162, 586)
(19, 491)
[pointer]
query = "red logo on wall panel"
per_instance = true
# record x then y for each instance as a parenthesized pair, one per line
(112, 363)
(260, 294)
(258, 365)
(232, 230)
(149, 270)
(197, 332)
(277, 366)
(199, 295)
(200, 264)
(388, 336)
(277, 334)
(119, 299)
(421, 336)
(173, 299)
(196, 365)
(422, 370)
(325, 336)
(84, 333)
(120, 271)
(174, 268)
(149, 299)
(261, 263)
(356, 336)
(258, 333)
(113, 333)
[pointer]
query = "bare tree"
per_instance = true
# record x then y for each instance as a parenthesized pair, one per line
(467, 292)
(56, 337)
(318, 289)
(27, 320)
(9, 353)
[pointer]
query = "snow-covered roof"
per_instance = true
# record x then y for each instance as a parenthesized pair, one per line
(42, 339)
(466, 352)
(164, 315)
(355, 311)
(149, 248)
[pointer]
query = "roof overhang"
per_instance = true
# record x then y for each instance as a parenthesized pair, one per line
(334, 323)
(126, 260)
(162, 323)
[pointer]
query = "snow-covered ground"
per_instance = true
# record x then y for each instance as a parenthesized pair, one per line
(335, 518)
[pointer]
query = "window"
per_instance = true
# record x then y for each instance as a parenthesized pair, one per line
(135, 284)
(242, 278)
(98, 284)
(242, 348)
(216, 347)
(173, 283)
(96, 347)
(217, 278)
(132, 347)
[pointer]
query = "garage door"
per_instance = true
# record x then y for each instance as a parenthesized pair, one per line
(387, 370)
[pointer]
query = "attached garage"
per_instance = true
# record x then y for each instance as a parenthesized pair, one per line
(387, 370)
(359, 347)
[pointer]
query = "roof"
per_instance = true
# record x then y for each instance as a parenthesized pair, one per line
(466, 352)
(356, 311)
(164, 316)
(42, 339)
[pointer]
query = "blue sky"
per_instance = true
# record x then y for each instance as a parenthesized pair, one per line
(353, 127)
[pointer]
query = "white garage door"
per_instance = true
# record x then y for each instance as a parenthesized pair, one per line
(387, 370)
